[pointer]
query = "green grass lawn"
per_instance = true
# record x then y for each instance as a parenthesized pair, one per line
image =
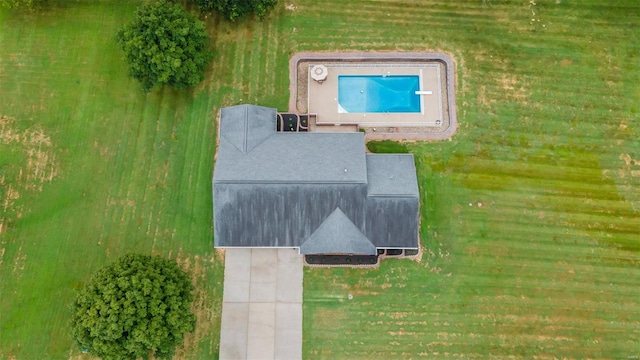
(91, 167)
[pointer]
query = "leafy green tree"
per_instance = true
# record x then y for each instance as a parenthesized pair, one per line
(233, 9)
(14, 4)
(136, 307)
(165, 45)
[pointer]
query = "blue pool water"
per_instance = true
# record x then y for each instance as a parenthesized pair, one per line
(378, 94)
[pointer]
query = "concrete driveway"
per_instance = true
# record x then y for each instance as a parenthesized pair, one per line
(262, 305)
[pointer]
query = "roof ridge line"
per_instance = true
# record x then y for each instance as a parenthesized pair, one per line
(246, 130)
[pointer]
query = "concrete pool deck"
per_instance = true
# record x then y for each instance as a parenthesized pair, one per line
(298, 100)
(323, 97)
(261, 304)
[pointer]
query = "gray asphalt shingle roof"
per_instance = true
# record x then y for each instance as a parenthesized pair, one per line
(337, 234)
(244, 126)
(252, 151)
(295, 158)
(316, 191)
(388, 174)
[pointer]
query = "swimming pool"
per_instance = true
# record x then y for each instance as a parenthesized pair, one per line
(378, 94)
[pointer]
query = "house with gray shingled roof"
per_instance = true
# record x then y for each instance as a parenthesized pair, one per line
(318, 192)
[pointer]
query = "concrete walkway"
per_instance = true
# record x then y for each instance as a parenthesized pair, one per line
(262, 305)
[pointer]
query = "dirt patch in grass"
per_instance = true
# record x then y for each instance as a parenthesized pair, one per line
(10, 196)
(37, 167)
(507, 87)
(19, 262)
(629, 175)
(328, 316)
(514, 89)
(81, 357)
(629, 161)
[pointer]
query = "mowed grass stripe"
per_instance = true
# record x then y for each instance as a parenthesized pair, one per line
(620, 230)
(532, 223)
(245, 58)
(513, 256)
(270, 47)
(238, 66)
(203, 161)
(157, 162)
(133, 191)
(256, 62)
(504, 180)
(376, 25)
